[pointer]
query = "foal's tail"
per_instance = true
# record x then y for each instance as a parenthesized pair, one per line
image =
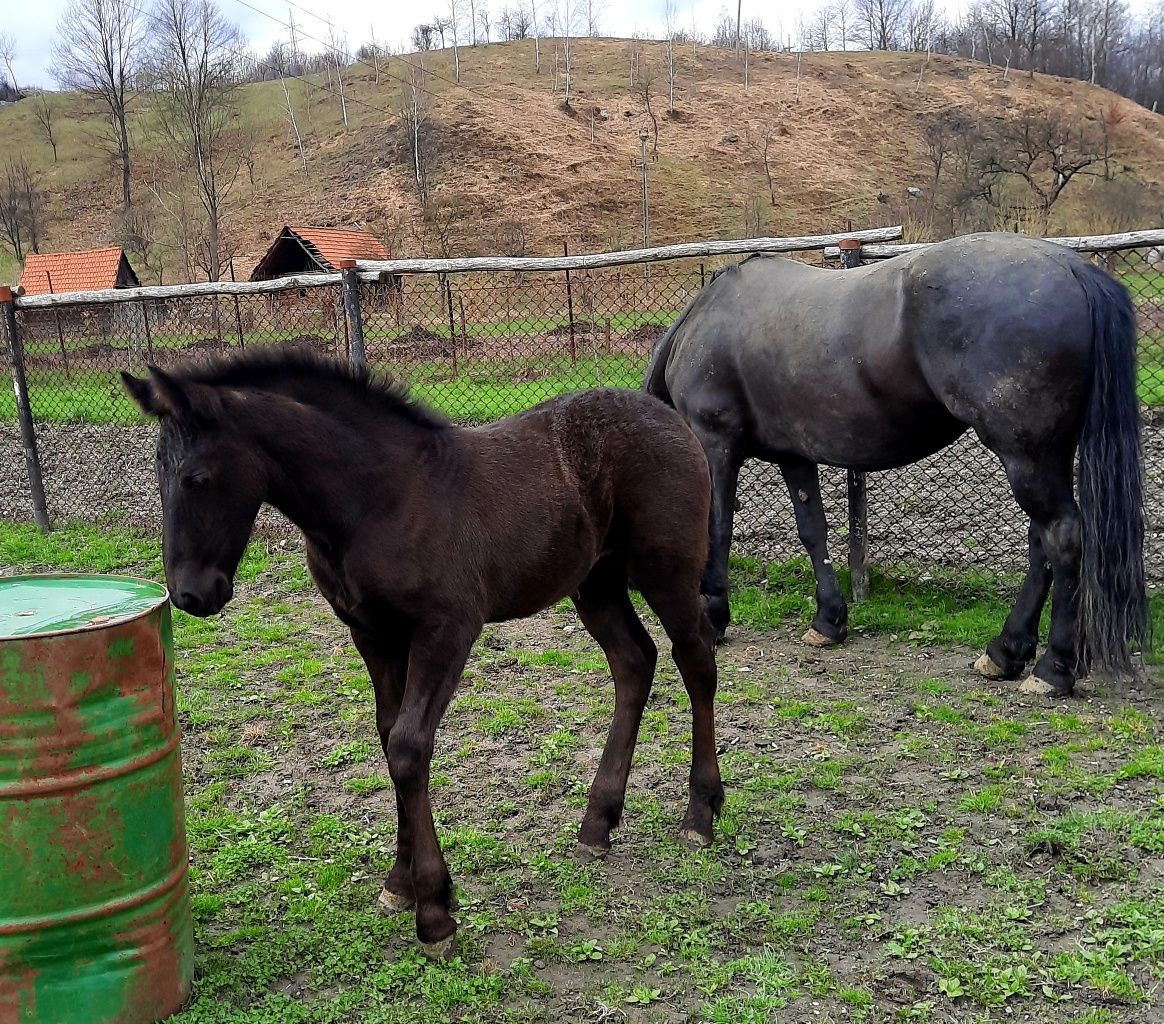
(1114, 624)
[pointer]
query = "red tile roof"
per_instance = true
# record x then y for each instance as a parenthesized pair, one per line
(94, 270)
(338, 244)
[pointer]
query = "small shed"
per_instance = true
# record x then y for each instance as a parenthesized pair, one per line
(304, 250)
(85, 271)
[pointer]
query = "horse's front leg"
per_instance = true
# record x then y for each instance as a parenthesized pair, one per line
(436, 660)
(831, 624)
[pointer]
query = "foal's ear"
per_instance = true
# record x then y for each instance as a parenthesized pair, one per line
(158, 395)
(140, 392)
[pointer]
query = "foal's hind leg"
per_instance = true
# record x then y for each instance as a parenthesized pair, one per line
(1009, 653)
(693, 647)
(831, 624)
(607, 613)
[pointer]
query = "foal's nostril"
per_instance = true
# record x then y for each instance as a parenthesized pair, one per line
(189, 602)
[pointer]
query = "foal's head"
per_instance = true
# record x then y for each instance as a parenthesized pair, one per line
(212, 485)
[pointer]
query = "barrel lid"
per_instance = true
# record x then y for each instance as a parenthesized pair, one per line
(65, 603)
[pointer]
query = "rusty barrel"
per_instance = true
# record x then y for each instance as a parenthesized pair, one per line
(95, 923)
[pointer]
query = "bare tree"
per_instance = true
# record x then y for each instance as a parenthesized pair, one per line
(1110, 117)
(8, 57)
(281, 58)
(441, 24)
(1047, 152)
(760, 142)
(97, 52)
(337, 53)
(671, 27)
(483, 21)
(534, 27)
(473, 20)
(822, 27)
(138, 235)
(42, 111)
(844, 19)
(594, 9)
(644, 88)
(193, 62)
(454, 15)
(880, 21)
(20, 208)
(422, 37)
(415, 121)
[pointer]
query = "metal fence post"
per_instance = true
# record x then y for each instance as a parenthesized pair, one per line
(857, 495)
(355, 317)
(24, 410)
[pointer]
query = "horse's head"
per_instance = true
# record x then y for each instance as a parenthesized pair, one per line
(212, 485)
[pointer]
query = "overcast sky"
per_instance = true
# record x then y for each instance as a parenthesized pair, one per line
(33, 22)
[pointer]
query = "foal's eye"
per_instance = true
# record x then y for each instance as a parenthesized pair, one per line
(194, 481)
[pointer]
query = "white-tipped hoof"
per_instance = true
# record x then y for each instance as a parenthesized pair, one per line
(986, 668)
(391, 903)
(593, 852)
(817, 639)
(439, 950)
(1039, 687)
(696, 840)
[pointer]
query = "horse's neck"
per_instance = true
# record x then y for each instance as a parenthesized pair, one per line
(319, 471)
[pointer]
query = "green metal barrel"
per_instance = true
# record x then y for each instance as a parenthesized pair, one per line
(95, 922)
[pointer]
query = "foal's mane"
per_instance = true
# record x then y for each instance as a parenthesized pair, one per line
(313, 379)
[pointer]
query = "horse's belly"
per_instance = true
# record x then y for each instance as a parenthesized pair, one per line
(864, 442)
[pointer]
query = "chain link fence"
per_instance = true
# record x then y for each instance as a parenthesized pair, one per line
(482, 345)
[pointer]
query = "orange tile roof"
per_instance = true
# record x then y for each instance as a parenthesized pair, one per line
(338, 244)
(94, 270)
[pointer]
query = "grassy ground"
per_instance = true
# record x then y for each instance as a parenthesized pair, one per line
(900, 842)
(476, 393)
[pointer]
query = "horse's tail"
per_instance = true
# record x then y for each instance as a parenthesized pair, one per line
(1114, 624)
(655, 381)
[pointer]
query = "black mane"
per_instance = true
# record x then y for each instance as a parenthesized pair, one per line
(311, 378)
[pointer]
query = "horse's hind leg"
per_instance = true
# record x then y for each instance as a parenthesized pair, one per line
(831, 624)
(1009, 653)
(1044, 490)
(693, 648)
(605, 609)
(724, 461)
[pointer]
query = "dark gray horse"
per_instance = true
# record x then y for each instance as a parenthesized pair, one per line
(1023, 341)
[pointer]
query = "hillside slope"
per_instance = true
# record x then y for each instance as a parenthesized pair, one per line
(508, 159)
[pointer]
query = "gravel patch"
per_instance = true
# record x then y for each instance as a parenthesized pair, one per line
(953, 510)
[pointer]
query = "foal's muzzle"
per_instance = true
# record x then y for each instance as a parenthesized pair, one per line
(201, 593)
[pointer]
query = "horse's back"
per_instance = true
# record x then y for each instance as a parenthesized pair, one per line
(885, 364)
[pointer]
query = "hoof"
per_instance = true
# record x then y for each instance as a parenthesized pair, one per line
(593, 852)
(392, 903)
(441, 950)
(1034, 685)
(986, 668)
(814, 638)
(695, 840)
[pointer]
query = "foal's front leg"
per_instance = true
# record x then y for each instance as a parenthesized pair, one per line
(436, 660)
(387, 662)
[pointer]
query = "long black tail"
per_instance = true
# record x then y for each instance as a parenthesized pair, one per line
(655, 381)
(1114, 624)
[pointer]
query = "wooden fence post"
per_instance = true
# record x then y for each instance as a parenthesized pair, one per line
(355, 318)
(24, 410)
(452, 323)
(858, 498)
(570, 309)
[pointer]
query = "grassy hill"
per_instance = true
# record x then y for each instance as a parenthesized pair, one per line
(506, 152)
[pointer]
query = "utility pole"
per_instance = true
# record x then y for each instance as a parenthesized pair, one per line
(643, 136)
